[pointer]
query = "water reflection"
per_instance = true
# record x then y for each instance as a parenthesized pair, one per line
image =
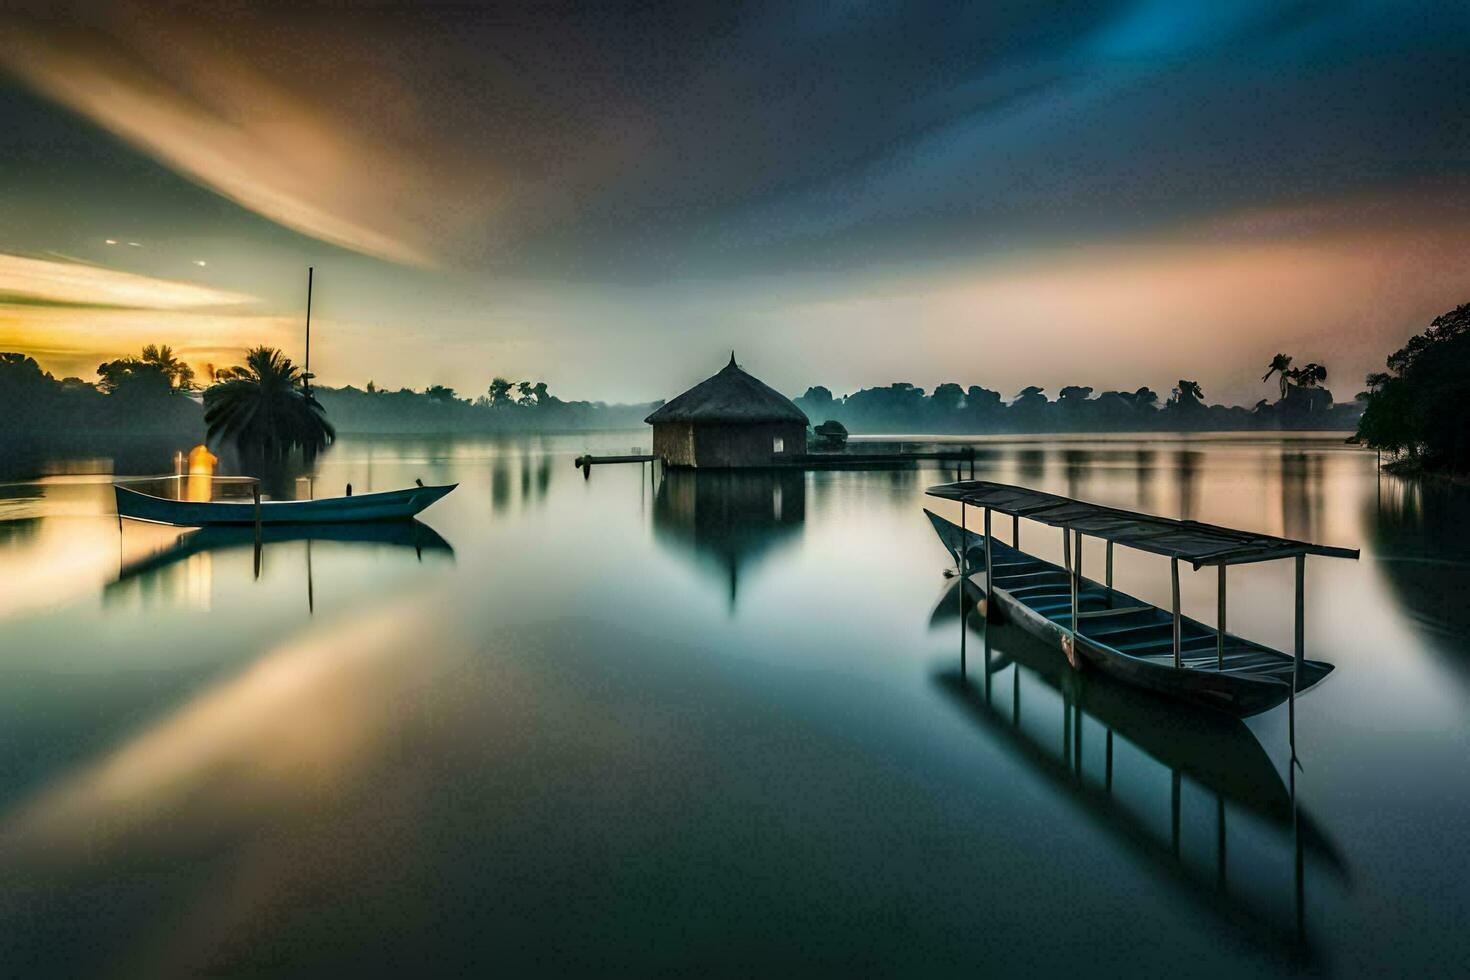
(729, 521)
(182, 569)
(1421, 536)
(1223, 789)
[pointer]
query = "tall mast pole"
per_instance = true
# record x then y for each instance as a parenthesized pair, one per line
(306, 379)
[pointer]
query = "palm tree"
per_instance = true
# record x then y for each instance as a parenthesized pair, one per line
(1279, 365)
(263, 407)
(179, 374)
(1310, 376)
(1188, 392)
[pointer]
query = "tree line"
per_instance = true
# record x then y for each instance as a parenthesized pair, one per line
(950, 408)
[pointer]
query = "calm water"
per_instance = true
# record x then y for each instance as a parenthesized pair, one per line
(717, 724)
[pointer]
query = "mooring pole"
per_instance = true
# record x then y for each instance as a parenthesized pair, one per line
(1301, 646)
(1220, 621)
(306, 372)
(1178, 625)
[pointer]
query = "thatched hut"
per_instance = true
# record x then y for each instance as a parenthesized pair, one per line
(729, 420)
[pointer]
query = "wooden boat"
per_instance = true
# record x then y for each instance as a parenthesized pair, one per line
(390, 505)
(1121, 635)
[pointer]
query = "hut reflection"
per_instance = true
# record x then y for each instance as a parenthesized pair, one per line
(729, 520)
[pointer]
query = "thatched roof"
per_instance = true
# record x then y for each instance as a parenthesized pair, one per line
(730, 396)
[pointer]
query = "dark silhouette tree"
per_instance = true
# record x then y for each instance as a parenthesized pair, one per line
(1419, 406)
(1188, 394)
(947, 397)
(1280, 365)
(179, 374)
(263, 408)
(499, 391)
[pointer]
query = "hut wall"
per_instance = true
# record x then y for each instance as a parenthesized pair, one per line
(745, 444)
(673, 442)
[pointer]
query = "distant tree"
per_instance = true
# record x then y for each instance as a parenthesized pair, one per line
(1188, 394)
(1309, 376)
(1280, 365)
(817, 396)
(372, 388)
(179, 374)
(831, 434)
(439, 393)
(1073, 394)
(1145, 398)
(981, 399)
(947, 397)
(263, 408)
(134, 378)
(19, 373)
(500, 391)
(1029, 397)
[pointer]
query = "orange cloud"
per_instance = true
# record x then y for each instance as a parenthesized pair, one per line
(42, 280)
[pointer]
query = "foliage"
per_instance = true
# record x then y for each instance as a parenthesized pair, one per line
(1420, 406)
(264, 408)
(831, 434)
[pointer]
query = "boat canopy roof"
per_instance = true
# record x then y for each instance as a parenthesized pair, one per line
(1194, 542)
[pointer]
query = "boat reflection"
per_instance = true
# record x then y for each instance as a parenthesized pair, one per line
(207, 541)
(1235, 834)
(729, 520)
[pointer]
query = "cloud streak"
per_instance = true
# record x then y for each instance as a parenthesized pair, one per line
(44, 282)
(220, 121)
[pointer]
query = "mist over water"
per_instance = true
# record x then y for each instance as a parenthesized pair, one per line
(731, 721)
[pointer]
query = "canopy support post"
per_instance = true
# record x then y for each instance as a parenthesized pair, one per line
(1110, 573)
(1178, 625)
(1016, 531)
(960, 562)
(989, 576)
(964, 542)
(1220, 621)
(1075, 567)
(1301, 606)
(1301, 646)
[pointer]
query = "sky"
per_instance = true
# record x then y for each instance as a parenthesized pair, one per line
(611, 197)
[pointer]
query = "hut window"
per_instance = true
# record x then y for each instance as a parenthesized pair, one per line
(779, 446)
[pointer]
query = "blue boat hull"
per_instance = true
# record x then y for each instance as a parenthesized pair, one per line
(391, 505)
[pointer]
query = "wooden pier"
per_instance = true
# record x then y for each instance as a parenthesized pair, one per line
(816, 461)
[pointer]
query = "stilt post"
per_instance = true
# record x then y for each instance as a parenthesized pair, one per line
(989, 575)
(1178, 623)
(1220, 621)
(1072, 564)
(1301, 624)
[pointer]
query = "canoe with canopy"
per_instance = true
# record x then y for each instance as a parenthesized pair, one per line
(1158, 649)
